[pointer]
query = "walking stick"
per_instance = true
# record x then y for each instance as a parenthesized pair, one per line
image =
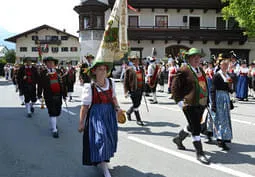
(145, 101)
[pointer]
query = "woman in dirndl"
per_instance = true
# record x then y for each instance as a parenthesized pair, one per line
(242, 83)
(98, 118)
(221, 87)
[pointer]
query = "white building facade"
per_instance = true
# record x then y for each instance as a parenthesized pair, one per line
(168, 26)
(51, 41)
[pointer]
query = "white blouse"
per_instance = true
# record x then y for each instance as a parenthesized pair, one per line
(86, 96)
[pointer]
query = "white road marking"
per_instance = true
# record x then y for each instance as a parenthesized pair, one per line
(243, 122)
(178, 110)
(189, 158)
(70, 112)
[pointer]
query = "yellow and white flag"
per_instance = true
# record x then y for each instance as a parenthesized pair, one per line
(115, 43)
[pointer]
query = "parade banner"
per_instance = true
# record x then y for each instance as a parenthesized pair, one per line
(115, 43)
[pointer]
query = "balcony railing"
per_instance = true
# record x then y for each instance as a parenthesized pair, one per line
(190, 33)
(44, 41)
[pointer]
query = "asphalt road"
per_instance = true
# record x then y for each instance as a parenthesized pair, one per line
(28, 150)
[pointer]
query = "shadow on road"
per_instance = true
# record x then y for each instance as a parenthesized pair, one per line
(145, 131)
(126, 171)
(5, 83)
(236, 155)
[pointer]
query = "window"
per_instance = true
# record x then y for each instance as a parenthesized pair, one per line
(64, 37)
(232, 23)
(54, 38)
(64, 49)
(23, 49)
(73, 49)
(54, 49)
(51, 38)
(34, 38)
(45, 49)
(86, 22)
(34, 49)
(220, 23)
(194, 22)
(161, 21)
(99, 21)
(133, 21)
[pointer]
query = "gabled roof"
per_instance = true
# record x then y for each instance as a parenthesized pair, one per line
(14, 38)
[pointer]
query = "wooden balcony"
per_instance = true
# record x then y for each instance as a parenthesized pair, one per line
(183, 33)
(54, 42)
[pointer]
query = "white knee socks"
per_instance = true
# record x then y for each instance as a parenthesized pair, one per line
(28, 107)
(104, 167)
(53, 123)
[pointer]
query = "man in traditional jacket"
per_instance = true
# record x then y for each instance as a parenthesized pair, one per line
(71, 78)
(53, 90)
(134, 85)
(27, 79)
(190, 91)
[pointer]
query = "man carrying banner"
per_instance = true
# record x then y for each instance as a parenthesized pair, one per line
(134, 85)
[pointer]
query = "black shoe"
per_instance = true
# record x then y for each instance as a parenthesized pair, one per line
(55, 135)
(29, 115)
(154, 102)
(139, 123)
(32, 109)
(128, 116)
(178, 142)
(203, 159)
(22, 103)
(225, 147)
(200, 153)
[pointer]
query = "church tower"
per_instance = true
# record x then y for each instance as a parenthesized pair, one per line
(93, 15)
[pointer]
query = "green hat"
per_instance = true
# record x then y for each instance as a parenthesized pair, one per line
(50, 59)
(194, 51)
(99, 63)
(90, 56)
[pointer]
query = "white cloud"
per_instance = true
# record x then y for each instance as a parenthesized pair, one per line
(18, 16)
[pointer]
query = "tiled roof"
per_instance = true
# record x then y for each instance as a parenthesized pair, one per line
(14, 38)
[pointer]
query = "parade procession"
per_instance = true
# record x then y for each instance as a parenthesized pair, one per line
(133, 103)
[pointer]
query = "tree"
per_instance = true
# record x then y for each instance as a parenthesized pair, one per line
(10, 56)
(244, 13)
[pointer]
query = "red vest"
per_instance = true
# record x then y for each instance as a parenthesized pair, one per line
(139, 76)
(54, 83)
(29, 75)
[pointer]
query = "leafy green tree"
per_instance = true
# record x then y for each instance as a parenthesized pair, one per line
(10, 56)
(244, 13)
